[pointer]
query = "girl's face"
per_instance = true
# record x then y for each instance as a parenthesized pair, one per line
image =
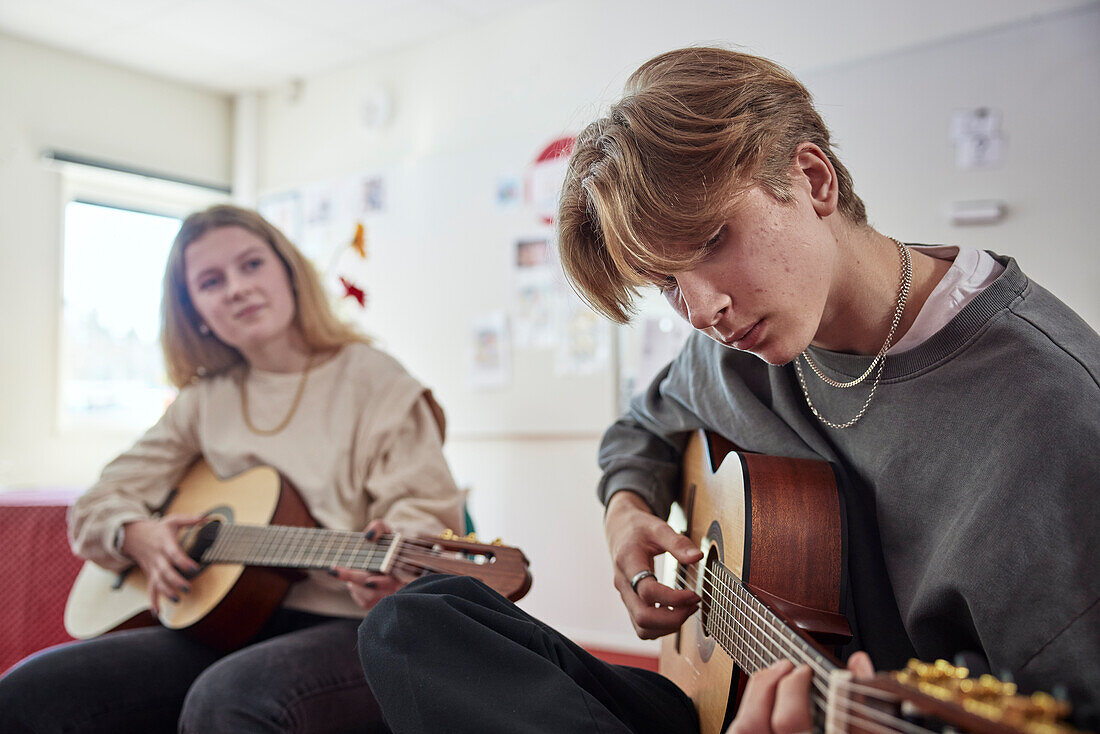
(240, 289)
(764, 287)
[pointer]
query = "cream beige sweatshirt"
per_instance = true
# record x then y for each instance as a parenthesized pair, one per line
(364, 443)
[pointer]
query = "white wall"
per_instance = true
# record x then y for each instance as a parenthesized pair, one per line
(468, 110)
(54, 100)
(892, 117)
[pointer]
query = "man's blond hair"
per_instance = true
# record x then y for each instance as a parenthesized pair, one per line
(654, 179)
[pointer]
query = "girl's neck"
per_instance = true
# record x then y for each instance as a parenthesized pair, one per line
(287, 354)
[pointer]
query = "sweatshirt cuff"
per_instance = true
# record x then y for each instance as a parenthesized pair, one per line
(115, 530)
(641, 483)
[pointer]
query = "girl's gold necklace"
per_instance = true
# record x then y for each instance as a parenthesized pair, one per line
(293, 406)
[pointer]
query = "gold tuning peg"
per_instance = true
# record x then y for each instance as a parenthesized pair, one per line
(951, 671)
(498, 541)
(448, 534)
(471, 537)
(988, 697)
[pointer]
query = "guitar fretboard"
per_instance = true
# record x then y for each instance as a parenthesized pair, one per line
(755, 637)
(295, 547)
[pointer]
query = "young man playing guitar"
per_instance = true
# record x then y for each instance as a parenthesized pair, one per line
(957, 401)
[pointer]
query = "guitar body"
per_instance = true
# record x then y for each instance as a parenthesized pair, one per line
(228, 603)
(776, 525)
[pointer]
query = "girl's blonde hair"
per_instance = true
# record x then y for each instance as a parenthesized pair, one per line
(189, 354)
(654, 179)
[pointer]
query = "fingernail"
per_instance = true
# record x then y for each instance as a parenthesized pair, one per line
(370, 535)
(369, 584)
(332, 572)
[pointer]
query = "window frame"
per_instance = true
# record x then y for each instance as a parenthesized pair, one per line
(117, 189)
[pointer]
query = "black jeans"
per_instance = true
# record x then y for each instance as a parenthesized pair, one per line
(302, 676)
(448, 654)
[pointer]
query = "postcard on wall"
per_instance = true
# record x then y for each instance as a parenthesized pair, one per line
(508, 190)
(490, 352)
(532, 254)
(284, 210)
(366, 195)
(584, 342)
(319, 203)
(534, 314)
(535, 294)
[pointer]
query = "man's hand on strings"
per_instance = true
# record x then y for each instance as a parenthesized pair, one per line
(777, 698)
(635, 536)
(368, 588)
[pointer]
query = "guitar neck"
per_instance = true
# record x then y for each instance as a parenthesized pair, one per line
(755, 637)
(296, 547)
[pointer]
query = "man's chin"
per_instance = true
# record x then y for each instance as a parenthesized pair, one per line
(766, 356)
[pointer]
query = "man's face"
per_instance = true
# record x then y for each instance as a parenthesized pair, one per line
(764, 286)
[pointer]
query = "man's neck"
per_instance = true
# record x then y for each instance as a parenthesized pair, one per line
(864, 297)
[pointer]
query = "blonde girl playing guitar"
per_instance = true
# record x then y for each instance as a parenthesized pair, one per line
(267, 376)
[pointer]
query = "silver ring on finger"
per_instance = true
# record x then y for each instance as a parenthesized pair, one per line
(638, 578)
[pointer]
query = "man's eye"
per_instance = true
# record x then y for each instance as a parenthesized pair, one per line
(667, 285)
(716, 239)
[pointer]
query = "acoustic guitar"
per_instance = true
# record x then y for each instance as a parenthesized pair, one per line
(255, 541)
(770, 583)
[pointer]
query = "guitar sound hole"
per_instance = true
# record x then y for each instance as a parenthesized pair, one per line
(707, 591)
(199, 539)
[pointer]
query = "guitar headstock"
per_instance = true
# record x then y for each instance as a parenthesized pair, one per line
(942, 692)
(503, 568)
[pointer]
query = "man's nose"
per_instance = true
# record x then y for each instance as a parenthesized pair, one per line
(703, 304)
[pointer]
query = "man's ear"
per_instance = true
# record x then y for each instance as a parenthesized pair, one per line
(813, 171)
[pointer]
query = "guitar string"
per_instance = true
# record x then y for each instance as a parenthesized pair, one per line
(820, 693)
(820, 696)
(239, 541)
(236, 531)
(787, 648)
(362, 558)
(733, 599)
(777, 638)
(362, 554)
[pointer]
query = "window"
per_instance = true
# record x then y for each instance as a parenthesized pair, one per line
(118, 229)
(114, 262)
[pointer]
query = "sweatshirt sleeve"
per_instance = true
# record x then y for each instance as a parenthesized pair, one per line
(641, 452)
(408, 478)
(135, 483)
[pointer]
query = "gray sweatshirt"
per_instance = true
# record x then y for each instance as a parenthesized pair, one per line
(970, 485)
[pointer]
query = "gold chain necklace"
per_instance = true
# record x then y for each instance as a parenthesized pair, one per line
(293, 406)
(905, 282)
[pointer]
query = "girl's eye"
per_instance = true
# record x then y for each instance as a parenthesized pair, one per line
(253, 263)
(207, 283)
